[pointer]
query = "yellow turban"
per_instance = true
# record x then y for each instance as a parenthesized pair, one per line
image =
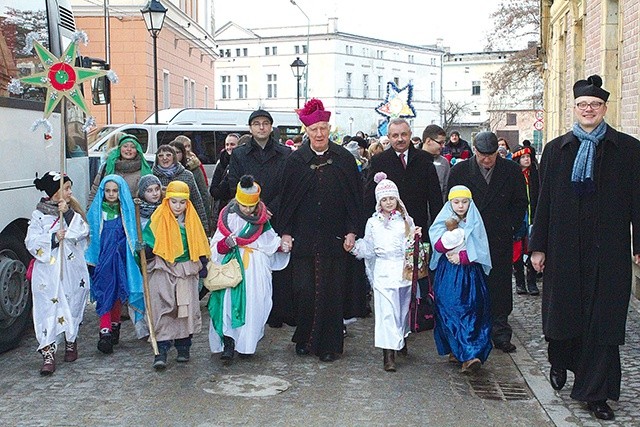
(459, 191)
(166, 230)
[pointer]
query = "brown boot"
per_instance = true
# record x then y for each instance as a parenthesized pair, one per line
(49, 360)
(70, 351)
(471, 366)
(389, 360)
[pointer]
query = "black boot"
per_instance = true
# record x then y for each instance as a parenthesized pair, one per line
(183, 346)
(229, 348)
(160, 361)
(105, 343)
(115, 333)
(518, 273)
(389, 358)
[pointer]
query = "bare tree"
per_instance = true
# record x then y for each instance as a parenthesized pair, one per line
(451, 113)
(520, 79)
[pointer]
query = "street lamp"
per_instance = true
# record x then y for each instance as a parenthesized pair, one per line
(153, 14)
(306, 73)
(297, 67)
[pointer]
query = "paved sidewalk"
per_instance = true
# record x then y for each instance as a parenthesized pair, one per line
(564, 411)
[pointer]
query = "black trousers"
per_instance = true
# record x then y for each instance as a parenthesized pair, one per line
(596, 368)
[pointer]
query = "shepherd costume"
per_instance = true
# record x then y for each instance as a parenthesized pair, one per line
(463, 317)
(177, 248)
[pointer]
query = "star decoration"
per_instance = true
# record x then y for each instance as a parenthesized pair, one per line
(39, 252)
(42, 286)
(82, 283)
(61, 320)
(397, 102)
(60, 77)
(54, 300)
(44, 332)
(71, 256)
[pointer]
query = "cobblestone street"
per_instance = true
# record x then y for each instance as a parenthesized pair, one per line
(276, 387)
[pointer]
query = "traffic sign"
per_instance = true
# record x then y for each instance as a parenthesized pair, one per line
(538, 125)
(539, 114)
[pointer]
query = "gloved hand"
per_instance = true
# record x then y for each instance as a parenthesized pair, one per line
(230, 241)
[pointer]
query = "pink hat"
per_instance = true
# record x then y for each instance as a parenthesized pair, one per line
(313, 112)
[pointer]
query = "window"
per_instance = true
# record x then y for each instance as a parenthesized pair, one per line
(221, 53)
(227, 53)
(185, 92)
(396, 80)
(475, 87)
(166, 89)
(272, 85)
(411, 59)
(192, 94)
(238, 52)
(348, 85)
(433, 61)
(242, 87)
(380, 88)
(365, 85)
(274, 50)
(512, 119)
(245, 51)
(433, 91)
(304, 48)
(296, 48)
(267, 50)
(226, 87)
(206, 97)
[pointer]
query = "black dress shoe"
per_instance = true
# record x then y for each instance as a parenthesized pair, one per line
(301, 349)
(506, 346)
(557, 378)
(328, 357)
(601, 410)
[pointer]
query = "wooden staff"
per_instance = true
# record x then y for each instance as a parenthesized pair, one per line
(145, 281)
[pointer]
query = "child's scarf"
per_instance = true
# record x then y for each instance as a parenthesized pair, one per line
(582, 173)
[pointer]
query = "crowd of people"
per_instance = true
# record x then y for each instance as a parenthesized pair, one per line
(298, 218)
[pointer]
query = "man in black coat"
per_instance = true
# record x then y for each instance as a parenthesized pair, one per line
(412, 171)
(322, 210)
(589, 198)
(499, 192)
(264, 158)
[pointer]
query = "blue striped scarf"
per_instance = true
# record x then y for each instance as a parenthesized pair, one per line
(582, 174)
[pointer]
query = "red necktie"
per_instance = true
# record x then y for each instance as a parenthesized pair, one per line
(404, 162)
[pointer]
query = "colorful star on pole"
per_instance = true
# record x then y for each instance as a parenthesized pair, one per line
(397, 102)
(61, 78)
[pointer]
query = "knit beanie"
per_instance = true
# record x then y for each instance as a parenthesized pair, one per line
(50, 182)
(145, 182)
(385, 187)
(248, 191)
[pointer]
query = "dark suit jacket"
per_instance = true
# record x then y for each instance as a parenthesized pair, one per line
(502, 204)
(418, 184)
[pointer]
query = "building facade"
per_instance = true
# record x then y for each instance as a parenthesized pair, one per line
(585, 37)
(186, 56)
(471, 108)
(349, 73)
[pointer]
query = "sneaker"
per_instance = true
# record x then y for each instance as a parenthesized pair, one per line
(105, 344)
(160, 361)
(115, 333)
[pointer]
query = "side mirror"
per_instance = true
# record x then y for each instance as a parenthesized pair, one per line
(100, 87)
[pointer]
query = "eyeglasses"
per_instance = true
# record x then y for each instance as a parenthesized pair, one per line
(595, 105)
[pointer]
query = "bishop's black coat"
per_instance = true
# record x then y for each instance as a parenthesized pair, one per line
(502, 204)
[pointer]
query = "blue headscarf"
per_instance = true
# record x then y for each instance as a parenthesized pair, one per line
(475, 235)
(128, 216)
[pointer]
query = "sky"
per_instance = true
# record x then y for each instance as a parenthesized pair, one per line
(462, 24)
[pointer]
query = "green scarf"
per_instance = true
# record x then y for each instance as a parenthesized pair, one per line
(112, 210)
(238, 294)
(114, 155)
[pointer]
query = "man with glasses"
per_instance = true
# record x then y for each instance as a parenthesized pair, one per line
(499, 192)
(264, 158)
(589, 201)
(433, 139)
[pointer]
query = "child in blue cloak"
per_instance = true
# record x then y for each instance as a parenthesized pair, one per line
(115, 276)
(463, 319)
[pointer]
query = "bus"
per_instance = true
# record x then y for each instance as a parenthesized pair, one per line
(25, 153)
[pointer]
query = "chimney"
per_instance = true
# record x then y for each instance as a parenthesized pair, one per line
(333, 25)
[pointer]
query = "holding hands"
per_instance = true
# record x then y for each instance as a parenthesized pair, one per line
(453, 257)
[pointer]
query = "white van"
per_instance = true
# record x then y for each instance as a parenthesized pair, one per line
(206, 141)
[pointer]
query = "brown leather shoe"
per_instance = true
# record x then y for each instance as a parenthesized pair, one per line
(49, 360)
(389, 357)
(70, 351)
(452, 358)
